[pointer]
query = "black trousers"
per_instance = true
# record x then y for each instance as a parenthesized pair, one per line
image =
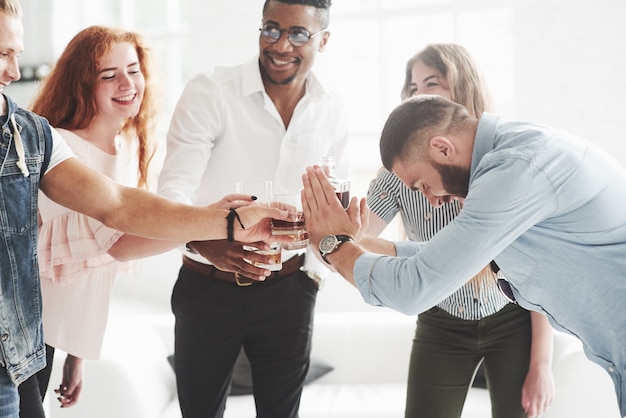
(33, 390)
(446, 352)
(272, 321)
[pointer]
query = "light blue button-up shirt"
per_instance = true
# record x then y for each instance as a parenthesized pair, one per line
(551, 210)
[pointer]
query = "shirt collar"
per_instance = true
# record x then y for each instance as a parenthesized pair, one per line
(484, 141)
(11, 107)
(252, 83)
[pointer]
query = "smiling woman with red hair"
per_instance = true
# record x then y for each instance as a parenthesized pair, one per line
(100, 96)
(67, 97)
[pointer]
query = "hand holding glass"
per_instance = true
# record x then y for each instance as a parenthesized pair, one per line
(262, 189)
(294, 226)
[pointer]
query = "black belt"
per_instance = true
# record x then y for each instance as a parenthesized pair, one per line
(289, 267)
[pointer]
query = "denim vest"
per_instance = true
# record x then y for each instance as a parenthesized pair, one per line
(21, 332)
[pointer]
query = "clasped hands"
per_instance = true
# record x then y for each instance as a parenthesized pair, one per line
(231, 256)
(323, 214)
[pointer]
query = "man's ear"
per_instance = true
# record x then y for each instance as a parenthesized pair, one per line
(322, 45)
(442, 150)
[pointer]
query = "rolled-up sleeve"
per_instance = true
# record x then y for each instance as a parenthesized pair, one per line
(375, 280)
(419, 278)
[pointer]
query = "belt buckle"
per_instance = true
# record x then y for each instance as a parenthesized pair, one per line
(241, 284)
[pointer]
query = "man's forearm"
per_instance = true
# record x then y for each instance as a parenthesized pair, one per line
(127, 209)
(149, 215)
(343, 260)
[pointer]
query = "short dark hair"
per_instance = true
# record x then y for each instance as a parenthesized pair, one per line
(411, 124)
(322, 6)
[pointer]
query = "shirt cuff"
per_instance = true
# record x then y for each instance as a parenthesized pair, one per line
(363, 268)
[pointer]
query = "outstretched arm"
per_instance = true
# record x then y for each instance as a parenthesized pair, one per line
(139, 212)
(131, 247)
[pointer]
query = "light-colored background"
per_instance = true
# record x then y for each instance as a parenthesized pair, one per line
(558, 62)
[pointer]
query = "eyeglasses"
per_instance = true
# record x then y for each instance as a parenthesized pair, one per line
(296, 36)
(503, 285)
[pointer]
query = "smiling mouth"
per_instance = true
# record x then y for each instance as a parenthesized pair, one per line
(282, 62)
(125, 99)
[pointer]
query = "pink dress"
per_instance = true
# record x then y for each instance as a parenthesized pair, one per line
(77, 274)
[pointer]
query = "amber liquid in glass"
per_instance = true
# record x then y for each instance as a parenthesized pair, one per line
(344, 198)
(296, 229)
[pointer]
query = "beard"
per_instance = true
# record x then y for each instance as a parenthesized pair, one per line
(281, 82)
(455, 179)
(267, 77)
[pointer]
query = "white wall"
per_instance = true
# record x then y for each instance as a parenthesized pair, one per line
(571, 68)
(224, 32)
(569, 71)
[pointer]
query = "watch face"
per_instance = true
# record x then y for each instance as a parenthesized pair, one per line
(328, 243)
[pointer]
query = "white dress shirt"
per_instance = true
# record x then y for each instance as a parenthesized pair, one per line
(226, 129)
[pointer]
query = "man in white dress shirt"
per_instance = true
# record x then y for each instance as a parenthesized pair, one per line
(33, 156)
(266, 119)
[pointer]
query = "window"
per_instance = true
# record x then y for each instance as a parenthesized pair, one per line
(371, 41)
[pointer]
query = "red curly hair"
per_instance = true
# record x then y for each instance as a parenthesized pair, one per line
(67, 95)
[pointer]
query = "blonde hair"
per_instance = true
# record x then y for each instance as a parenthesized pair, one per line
(11, 8)
(467, 84)
(485, 278)
(467, 88)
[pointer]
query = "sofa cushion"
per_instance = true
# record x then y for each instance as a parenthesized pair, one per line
(242, 374)
(241, 383)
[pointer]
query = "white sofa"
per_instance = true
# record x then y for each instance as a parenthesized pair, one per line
(367, 347)
(368, 351)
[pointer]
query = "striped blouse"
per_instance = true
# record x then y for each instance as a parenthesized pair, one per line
(387, 196)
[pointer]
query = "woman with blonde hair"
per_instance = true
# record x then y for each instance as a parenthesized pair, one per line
(476, 324)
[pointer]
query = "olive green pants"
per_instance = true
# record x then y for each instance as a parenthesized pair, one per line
(447, 351)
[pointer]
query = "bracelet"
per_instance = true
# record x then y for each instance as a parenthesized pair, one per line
(189, 249)
(232, 214)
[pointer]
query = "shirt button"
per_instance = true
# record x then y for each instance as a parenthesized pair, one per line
(428, 216)
(611, 369)
(461, 309)
(5, 337)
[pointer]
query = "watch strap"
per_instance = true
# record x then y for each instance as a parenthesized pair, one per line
(340, 239)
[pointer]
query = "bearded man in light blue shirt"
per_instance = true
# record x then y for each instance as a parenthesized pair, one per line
(549, 208)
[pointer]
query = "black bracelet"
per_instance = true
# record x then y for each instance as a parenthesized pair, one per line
(189, 249)
(232, 214)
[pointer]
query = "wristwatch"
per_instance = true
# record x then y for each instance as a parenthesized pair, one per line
(330, 243)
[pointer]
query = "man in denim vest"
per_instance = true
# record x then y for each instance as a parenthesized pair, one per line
(32, 157)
